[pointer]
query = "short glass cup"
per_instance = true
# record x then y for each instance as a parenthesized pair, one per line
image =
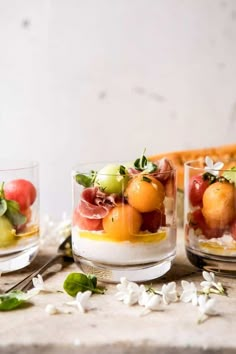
(19, 214)
(124, 223)
(210, 215)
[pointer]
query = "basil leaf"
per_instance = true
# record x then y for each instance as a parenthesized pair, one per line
(11, 300)
(209, 177)
(122, 170)
(79, 282)
(3, 206)
(143, 164)
(231, 175)
(85, 180)
(13, 213)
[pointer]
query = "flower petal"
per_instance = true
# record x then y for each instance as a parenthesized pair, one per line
(218, 165)
(208, 276)
(208, 162)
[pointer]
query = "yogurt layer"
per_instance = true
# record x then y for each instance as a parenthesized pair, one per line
(124, 252)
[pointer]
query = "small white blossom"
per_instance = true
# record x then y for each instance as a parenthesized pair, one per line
(128, 292)
(39, 285)
(211, 167)
(189, 293)
(210, 283)
(207, 307)
(150, 301)
(81, 301)
(169, 293)
(53, 310)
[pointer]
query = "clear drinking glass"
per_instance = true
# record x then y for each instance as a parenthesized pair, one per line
(124, 221)
(210, 215)
(19, 214)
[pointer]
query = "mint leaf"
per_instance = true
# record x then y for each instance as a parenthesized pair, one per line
(13, 213)
(79, 282)
(122, 170)
(143, 164)
(86, 180)
(230, 175)
(11, 300)
(3, 206)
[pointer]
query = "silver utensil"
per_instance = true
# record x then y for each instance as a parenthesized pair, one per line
(62, 258)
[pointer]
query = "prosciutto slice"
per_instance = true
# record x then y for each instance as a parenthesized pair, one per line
(95, 204)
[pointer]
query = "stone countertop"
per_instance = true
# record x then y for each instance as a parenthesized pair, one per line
(111, 326)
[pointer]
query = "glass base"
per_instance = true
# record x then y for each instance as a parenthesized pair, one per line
(221, 265)
(137, 273)
(18, 260)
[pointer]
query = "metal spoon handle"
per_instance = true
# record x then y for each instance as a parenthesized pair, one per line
(25, 283)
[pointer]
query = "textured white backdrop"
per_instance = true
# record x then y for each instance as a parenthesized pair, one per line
(90, 80)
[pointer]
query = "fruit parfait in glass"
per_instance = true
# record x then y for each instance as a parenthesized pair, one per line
(124, 219)
(210, 214)
(19, 214)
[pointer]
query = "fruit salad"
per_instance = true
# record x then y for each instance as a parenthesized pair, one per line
(18, 217)
(124, 214)
(210, 207)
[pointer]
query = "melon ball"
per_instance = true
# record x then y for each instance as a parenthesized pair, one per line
(219, 204)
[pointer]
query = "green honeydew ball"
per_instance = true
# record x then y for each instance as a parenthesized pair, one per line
(111, 180)
(7, 232)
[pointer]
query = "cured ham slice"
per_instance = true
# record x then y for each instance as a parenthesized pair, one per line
(95, 204)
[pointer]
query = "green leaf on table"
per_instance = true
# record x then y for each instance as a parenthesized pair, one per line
(13, 213)
(231, 175)
(79, 282)
(12, 300)
(3, 207)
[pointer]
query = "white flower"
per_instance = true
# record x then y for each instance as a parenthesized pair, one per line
(189, 293)
(150, 301)
(211, 167)
(210, 282)
(39, 286)
(81, 301)
(169, 293)
(207, 307)
(53, 310)
(128, 292)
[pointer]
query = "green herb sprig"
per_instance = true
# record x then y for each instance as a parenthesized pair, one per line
(12, 300)
(144, 165)
(86, 180)
(79, 282)
(11, 209)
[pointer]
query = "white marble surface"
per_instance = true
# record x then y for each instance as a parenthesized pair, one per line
(102, 79)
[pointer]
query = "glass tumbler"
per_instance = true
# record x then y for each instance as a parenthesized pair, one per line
(19, 214)
(124, 221)
(210, 215)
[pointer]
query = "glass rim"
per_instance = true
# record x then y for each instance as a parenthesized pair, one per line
(20, 165)
(189, 165)
(78, 168)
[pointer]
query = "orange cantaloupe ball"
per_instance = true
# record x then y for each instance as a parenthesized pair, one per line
(145, 193)
(122, 222)
(219, 204)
